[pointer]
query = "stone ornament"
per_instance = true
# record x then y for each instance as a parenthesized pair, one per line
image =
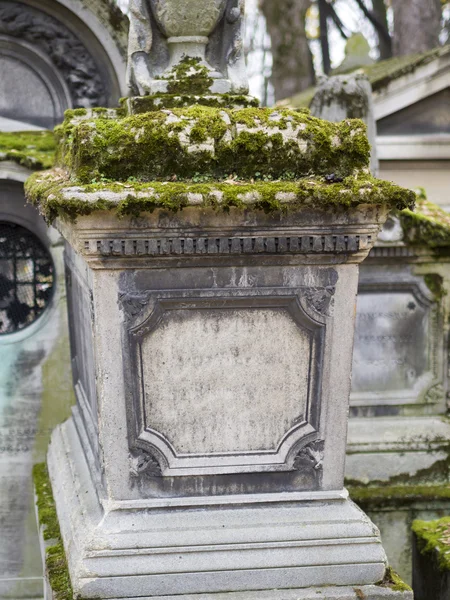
(199, 39)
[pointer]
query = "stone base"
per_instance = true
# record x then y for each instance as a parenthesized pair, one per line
(386, 449)
(163, 547)
(368, 592)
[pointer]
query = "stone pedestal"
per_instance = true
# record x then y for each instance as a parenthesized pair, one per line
(212, 258)
(211, 359)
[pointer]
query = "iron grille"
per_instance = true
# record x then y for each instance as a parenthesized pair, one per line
(26, 277)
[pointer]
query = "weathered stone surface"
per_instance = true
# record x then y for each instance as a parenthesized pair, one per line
(56, 56)
(348, 97)
(164, 33)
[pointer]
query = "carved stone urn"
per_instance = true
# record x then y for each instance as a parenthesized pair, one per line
(187, 24)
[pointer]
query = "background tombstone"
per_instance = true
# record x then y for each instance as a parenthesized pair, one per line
(398, 434)
(53, 56)
(398, 462)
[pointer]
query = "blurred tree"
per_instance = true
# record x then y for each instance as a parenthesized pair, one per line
(417, 25)
(292, 69)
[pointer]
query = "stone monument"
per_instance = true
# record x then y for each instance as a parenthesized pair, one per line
(212, 255)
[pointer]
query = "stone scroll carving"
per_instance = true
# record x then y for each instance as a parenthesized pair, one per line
(144, 463)
(309, 461)
(205, 34)
(76, 65)
(312, 455)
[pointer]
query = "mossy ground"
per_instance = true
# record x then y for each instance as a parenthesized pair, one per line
(433, 537)
(34, 150)
(56, 196)
(55, 559)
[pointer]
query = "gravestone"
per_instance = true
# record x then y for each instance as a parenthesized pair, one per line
(398, 459)
(397, 455)
(211, 330)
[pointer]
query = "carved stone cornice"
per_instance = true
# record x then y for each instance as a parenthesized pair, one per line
(138, 247)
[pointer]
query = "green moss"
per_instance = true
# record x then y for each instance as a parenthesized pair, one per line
(143, 104)
(159, 145)
(55, 557)
(428, 226)
(56, 196)
(371, 497)
(393, 581)
(189, 77)
(435, 284)
(433, 537)
(32, 149)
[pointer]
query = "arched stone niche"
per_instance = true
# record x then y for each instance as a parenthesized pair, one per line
(60, 54)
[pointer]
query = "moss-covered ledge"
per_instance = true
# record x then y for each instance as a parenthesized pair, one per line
(57, 196)
(433, 538)
(57, 570)
(34, 150)
(428, 225)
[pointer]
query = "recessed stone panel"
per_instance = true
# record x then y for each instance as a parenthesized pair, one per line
(395, 354)
(247, 401)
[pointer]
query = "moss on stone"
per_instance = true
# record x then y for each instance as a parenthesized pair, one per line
(56, 195)
(55, 557)
(435, 284)
(380, 73)
(277, 144)
(142, 104)
(113, 19)
(433, 538)
(190, 76)
(394, 582)
(374, 498)
(34, 150)
(428, 225)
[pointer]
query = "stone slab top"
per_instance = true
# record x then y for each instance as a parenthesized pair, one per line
(209, 157)
(56, 195)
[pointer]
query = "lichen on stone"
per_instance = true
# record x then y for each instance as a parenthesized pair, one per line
(34, 150)
(55, 558)
(433, 538)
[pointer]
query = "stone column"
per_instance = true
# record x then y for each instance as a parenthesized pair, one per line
(212, 257)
